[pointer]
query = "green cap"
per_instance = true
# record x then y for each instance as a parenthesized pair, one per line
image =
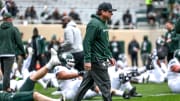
(7, 15)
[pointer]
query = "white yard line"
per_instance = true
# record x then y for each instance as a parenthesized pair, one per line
(163, 94)
(117, 98)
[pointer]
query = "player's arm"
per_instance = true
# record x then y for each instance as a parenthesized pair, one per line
(63, 75)
(175, 68)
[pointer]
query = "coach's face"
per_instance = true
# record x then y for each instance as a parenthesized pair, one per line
(168, 26)
(107, 14)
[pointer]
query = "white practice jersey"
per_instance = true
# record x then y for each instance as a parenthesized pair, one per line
(66, 84)
(171, 74)
(122, 64)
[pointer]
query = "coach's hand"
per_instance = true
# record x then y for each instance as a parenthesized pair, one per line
(112, 61)
(81, 73)
(87, 66)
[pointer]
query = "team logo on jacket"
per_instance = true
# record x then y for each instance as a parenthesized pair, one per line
(105, 30)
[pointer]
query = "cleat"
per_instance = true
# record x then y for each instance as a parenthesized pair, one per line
(137, 95)
(54, 60)
(56, 93)
(126, 95)
(133, 93)
(112, 93)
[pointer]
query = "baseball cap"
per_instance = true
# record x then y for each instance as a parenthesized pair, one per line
(7, 15)
(106, 6)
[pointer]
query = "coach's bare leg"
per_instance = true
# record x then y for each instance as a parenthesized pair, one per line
(39, 97)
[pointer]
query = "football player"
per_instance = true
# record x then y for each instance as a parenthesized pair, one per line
(120, 80)
(174, 72)
(26, 92)
(69, 78)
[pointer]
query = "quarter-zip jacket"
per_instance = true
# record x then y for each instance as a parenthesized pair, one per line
(10, 40)
(96, 41)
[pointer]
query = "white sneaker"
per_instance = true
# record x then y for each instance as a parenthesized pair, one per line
(54, 59)
(56, 93)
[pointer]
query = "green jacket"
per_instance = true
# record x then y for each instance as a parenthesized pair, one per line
(146, 47)
(178, 36)
(96, 41)
(177, 26)
(177, 31)
(38, 44)
(172, 46)
(10, 40)
(171, 1)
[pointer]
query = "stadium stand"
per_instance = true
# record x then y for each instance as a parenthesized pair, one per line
(84, 7)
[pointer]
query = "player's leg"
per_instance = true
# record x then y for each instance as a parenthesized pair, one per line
(39, 97)
(30, 96)
(55, 82)
(131, 89)
(173, 84)
(157, 75)
(29, 84)
(117, 92)
(53, 61)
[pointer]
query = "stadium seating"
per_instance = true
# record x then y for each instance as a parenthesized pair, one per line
(84, 7)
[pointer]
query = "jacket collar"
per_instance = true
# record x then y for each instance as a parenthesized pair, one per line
(97, 17)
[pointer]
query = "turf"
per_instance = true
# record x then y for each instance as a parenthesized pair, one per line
(150, 92)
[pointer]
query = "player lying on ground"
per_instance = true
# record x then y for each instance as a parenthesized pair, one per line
(120, 82)
(174, 73)
(26, 92)
(155, 70)
(69, 78)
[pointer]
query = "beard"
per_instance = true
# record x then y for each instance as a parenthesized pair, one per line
(64, 25)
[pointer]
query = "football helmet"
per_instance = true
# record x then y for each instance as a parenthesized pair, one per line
(160, 41)
(122, 57)
(67, 59)
(177, 54)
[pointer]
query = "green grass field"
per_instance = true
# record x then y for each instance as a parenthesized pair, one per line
(150, 92)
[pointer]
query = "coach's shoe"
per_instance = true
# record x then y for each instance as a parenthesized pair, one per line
(126, 95)
(133, 93)
(54, 59)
